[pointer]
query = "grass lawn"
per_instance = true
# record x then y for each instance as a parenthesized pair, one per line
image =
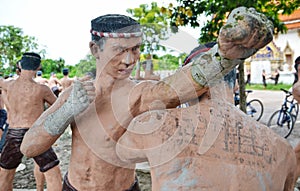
(269, 87)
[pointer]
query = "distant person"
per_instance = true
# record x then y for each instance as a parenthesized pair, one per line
(24, 100)
(148, 69)
(264, 78)
(275, 76)
(54, 84)
(248, 81)
(66, 81)
(39, 79)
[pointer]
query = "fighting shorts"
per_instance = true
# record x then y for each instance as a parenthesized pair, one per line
(11, 155)
(55, 90)
(68, 187)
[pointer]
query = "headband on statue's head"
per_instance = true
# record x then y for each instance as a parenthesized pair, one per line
(116, 35)
(115, 26)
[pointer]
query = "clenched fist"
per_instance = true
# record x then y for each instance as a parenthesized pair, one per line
(81, 95)
(245, 32)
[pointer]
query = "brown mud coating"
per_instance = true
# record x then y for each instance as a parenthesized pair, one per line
(115, 101)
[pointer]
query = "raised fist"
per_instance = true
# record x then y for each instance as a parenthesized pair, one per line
(82, 94)
(245, 32)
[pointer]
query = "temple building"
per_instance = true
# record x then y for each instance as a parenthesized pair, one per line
(280, 54)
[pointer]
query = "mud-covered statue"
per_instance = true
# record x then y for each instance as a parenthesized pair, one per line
(24, 100)
(100, 111)
(209, 145)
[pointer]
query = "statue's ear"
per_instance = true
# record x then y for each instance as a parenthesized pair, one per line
(94, 49)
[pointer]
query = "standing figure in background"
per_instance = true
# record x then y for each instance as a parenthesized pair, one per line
(264, 78)
(39, 79)
(54, 84)
(24, 100)
(148, 69)
(66, 81)
(248, 81)
(275, 76)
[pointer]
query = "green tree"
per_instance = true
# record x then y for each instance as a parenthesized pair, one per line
(50, 65)
(87, 65)
(13, 43)
(155, 26)
(189, 13)
(169, 62)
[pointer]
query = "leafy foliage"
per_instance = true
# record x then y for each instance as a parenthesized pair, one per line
(189, 13)
(87, 65)
(168, 62)
(49, 65)
(13, 43)
(154, 25)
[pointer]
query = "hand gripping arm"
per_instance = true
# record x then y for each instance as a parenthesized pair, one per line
(77, 102)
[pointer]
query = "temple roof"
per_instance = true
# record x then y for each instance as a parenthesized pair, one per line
(291, 21)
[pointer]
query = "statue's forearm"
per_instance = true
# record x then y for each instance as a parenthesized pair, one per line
(210, 67)
(57, 121)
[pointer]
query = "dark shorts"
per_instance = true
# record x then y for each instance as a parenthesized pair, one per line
(55, 90)
(68, 187)
(11, 155)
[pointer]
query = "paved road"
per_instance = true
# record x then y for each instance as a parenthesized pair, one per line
(272, 101)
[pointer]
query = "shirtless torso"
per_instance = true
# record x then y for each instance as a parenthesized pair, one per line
(41, 80)
(66, 82)
(24, 100)
(102, 115)
(54, 84)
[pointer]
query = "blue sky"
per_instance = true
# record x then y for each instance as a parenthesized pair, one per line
(62, 26)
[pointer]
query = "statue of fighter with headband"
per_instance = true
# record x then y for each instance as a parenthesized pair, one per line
(100, 111)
